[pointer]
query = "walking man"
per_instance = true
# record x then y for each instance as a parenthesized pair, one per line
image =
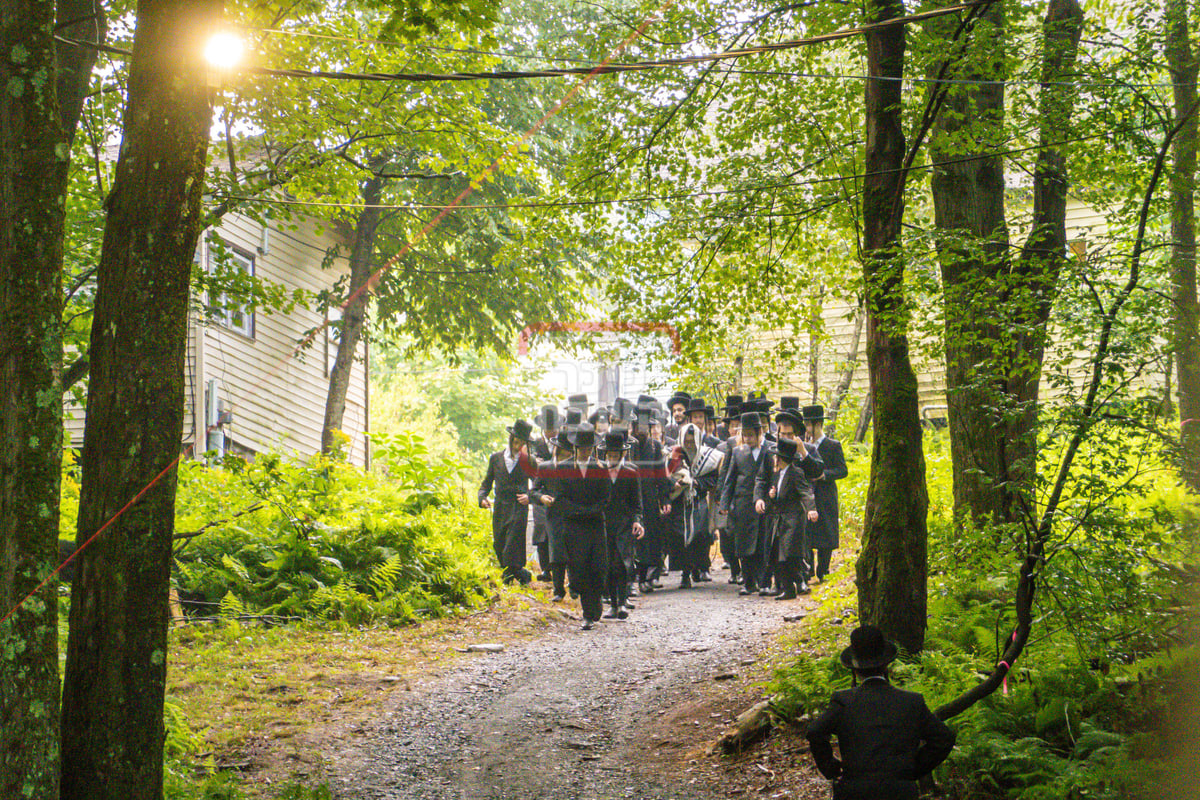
(547, 486)
(737, 497)
(548, 419)
(823, 534)
(647, 458)
(622, 522)
(509, 471)
(585, 490)
(888, 738)
(787, 498)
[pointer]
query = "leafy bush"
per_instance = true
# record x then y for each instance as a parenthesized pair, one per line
(323, 539)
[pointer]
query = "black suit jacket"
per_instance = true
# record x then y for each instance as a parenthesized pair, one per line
(884, 734)
(788, 510)
(507, 484)
(824, 533)
(624, 507)
(737, 495)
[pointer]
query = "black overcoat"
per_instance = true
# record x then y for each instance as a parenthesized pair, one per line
(888, 740)
(549, 482)
(542, 452)
(624, 509)
(823, 534)
(509, 517)
(582, 501)
(788, 510)
(738, 496)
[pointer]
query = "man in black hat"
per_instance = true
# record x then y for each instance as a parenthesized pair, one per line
(823, 534)
(888, 738)
(677, 405)
(787, 499)
(789, 424)
(546, 487)
(647, 457)
(622, 521)
(729, 414)
(548, 419)
(731, 439)
(510, 471)
(737, 497)
(583, 497)
(599, 419)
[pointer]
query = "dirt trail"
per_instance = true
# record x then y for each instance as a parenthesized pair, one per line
(575, 714)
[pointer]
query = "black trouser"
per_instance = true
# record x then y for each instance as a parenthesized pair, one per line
(819, 566)
(587, 563)
(752, 570)
(543, 551)
(617, 583)
(558, 574)
(789, 575)
(508, 541)
(729, 552)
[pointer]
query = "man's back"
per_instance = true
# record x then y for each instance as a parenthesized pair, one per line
(888, 739)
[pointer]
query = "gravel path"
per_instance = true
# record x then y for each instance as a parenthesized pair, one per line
(564, 716)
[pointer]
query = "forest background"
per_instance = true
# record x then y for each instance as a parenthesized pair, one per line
(916, 172)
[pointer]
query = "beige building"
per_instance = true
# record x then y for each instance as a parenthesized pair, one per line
(257, 380)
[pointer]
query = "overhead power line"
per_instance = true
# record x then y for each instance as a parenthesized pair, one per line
(601, 69)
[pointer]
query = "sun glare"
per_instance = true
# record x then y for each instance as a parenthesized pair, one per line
(224, 50)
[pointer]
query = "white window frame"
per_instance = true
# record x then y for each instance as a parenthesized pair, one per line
(240, 320)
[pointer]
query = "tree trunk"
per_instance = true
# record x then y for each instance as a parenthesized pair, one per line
(864, 420)
(968, 201)
(33, 177)
(1186, 323)
(354, 315)
(891, 567)
(113, 733)
(849, 367)
(1033, 284)
(815, 331)
(84, 21)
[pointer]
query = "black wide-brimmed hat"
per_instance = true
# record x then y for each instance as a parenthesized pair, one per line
(868, 649)
(574, 417)
(563, 440)
(791, 415)
(680, 398)
(695, 404)
(578, 401)
(599, 415)
(584, 435)
(814, 413)
(549, 418)
(785, 449)
(750, 419)
(613, 441)
(732, 402)
(789, 402)
(520, 429)
(710, 412)
(622, 410)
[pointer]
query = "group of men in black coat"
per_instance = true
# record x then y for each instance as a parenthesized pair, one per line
(676, 479)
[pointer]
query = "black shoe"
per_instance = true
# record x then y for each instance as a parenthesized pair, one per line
(630, 606)
(588, 624)
(743, 592)
(611, 614)
(767, 591)
(705, 577)
(734, 580)
(558, 598)
(574, 595)
(803, 589)
(750, 587)
(622, 614)
(686, 583)
(786, 596)
(633, 590)
(655, 585)
(543, 577)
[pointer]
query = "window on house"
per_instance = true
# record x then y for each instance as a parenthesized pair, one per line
(230, 314)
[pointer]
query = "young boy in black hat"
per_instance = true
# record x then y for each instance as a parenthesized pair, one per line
(788, 502)
(510, 471)
(888, 738)
(823, 534)
(622, 521)
(648, 458)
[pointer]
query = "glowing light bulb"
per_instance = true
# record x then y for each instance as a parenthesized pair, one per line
(224, 50)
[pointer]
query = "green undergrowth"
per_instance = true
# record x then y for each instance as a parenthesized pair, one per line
(321, 539)
(1083, 711)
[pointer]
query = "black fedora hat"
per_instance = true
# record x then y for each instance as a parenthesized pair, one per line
(791, 415)
(549, 418)
(578, 401)
(584, 435)
(622, 410)
(695, 404)
(750, 419)
(813, 413)
(520, 429)
(574, 417)
(732, 402)
(789, 402)
(563, 440)
(868, 649)
(785, 449)
(613, 441)
(679, 398)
